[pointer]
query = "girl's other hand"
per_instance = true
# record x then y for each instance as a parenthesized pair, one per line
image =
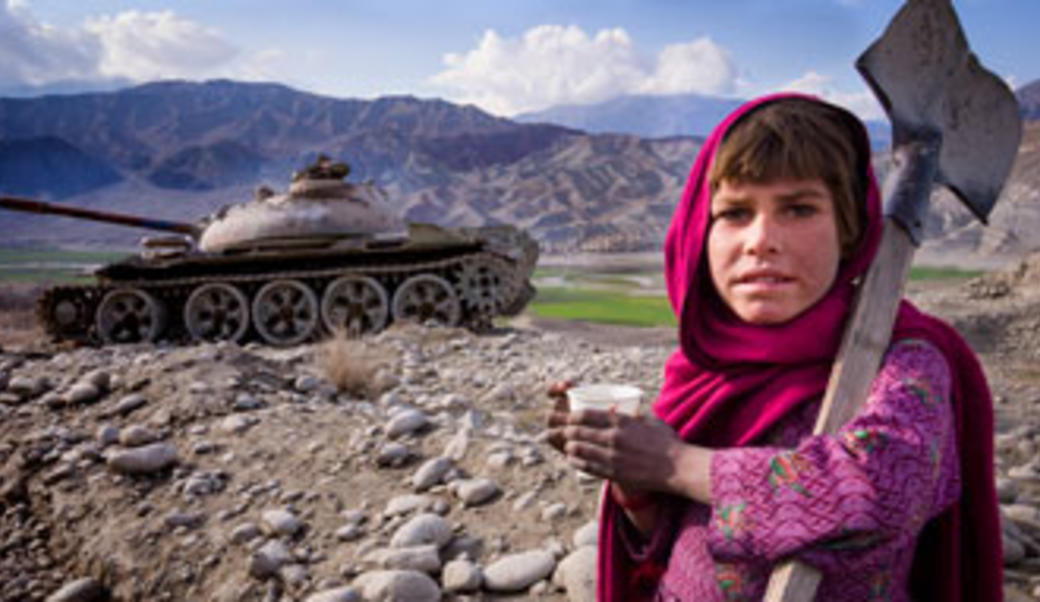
(557, 416)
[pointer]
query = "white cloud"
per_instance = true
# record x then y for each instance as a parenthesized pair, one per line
(863, 103)
(130, 45)
(555, 64)
(146, 46)
(697, 66)
(35, 53)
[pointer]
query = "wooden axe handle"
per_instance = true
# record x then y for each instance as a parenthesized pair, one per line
(867, 335)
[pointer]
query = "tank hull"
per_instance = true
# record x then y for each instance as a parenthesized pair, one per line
(289, 291)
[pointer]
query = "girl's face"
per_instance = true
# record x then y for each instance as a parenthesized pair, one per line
(773, 247)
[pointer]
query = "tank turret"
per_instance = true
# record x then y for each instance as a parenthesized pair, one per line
(289, 267)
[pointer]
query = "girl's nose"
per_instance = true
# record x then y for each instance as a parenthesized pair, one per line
(763, 236)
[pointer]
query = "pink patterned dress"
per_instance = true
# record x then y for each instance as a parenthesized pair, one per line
(850, 504)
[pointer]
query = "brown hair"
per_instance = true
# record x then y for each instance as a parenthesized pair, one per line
(801, 139)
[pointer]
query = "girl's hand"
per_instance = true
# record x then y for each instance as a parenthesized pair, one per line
(639, 453)
(558, 414)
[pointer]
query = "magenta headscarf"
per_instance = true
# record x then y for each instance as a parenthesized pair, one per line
(731, 382)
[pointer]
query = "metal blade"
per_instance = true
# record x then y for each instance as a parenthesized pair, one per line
(930, 83)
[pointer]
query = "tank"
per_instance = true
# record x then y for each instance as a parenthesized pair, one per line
(287, 268)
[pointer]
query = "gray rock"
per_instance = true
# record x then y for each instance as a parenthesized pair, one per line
(473, 492)
(392, 454)
(461, 576)
(245, 402)
(82, 392)
(500, 393)
(554, 512)
(422, 558)
(407, 422)
(86, 589)
(355, 517)
(1007, 490)
(349, 532)
(101, 379)
(339, 594)
(577, 574)
(52, 400)
(279, 521)
(107, 435)
(306, 383)
(397, 586)
(587, 534)
(237, 423)
(1014, 551)
(1025, 516)
(190, 520)
(137, 435)
(1028, 472)
(517, 572)
(143, 460)
(245, 533)
(25, 386)
(422, 529)
(293, 574)
(458, 446)
(409, 502)
(525, 500)
(431, 473)
(269, 558)
(129, 403)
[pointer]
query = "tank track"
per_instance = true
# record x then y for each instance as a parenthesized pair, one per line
(67, 313)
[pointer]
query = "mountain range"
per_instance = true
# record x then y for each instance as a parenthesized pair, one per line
(180, 150)
(652, 116)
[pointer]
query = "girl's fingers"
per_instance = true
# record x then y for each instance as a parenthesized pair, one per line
(590, 458)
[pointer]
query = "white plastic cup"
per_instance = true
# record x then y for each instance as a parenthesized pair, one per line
(624, 398)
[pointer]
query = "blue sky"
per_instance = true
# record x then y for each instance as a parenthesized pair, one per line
(506, 56)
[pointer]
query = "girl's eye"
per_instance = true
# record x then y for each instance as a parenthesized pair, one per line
(732, 214)
(802, 210)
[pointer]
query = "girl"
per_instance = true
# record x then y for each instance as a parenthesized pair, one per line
(778, 221)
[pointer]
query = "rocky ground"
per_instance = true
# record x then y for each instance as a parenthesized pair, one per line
(407, 467)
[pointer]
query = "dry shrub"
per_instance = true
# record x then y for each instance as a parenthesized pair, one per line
(356, 366)
(18, 327)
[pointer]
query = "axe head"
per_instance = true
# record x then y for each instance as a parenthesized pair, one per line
(931, 84)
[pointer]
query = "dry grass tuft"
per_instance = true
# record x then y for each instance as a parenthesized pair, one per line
(357, 367)
(18, 327)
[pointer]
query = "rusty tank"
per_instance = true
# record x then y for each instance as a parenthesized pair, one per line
(291, 267)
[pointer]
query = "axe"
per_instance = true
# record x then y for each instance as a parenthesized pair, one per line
(953, 122)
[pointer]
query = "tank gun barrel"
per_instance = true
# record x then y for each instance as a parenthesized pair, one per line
(33, 206)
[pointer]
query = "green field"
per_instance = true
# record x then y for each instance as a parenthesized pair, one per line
(51, 265)
(944, 273)
(602, 306)
(636, 297)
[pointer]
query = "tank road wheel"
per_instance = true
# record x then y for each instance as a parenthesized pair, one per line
(285, 312)
(130, 315)
(67, 313)
(426, 297)
(216, 312)
(355, 303)
(485, 285)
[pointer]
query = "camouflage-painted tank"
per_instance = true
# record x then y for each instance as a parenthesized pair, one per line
(289, 268)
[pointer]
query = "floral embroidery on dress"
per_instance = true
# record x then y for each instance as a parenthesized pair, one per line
(880, 584)
(935, 457)
(730, 581)
(851, 539)
(923, 390)
(862, 442)
(732, 520)
(784, 469)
